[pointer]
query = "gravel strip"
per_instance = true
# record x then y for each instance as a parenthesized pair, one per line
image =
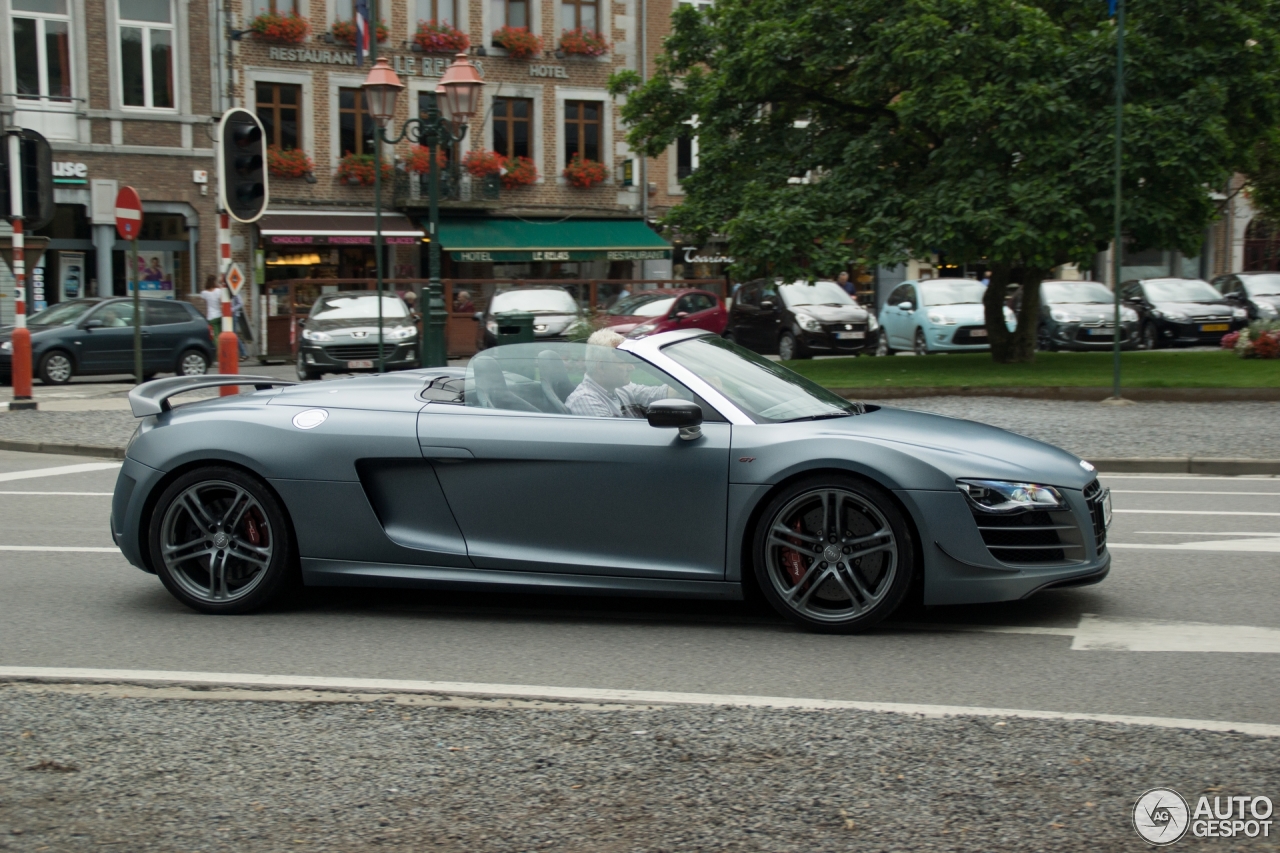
(110, 429)
(91, 771)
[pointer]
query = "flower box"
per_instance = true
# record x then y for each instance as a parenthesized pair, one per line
(521, 172)
(293, 163)
(440, 37)
(357, 170)
(419, 161)
(483, 163)
(282, 29)
(518, 42)
(583, 42)
(345, 32)
(585, 173)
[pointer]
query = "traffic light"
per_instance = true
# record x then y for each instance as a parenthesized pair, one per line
(37, 180)
(242, 168)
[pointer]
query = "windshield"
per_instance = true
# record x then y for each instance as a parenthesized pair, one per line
(763, 389)
(529, 301)
(1258, 285)
(348, 307)
(1181, 290)
(818, 293)
(954, 292)
(650, 305)
(1085, 291)
(64, 314)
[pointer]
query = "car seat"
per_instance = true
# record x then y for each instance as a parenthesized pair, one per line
(491, 391)
(555, 381)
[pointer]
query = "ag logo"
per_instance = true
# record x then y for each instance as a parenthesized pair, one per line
(1161, 816)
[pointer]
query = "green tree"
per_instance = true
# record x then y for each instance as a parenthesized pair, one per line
(878, 130)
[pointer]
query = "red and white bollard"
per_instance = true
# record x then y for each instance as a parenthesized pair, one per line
(20, 361)
(228, 346)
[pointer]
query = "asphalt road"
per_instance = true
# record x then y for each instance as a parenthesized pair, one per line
(1186, 550)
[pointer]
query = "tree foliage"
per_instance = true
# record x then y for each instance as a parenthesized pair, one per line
(977, 128)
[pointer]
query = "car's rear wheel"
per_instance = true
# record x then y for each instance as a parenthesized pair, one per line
(192, 362)
(56, 368)
(220, 542)
(833, 554)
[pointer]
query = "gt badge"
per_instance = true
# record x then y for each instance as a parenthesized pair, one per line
(746, 459)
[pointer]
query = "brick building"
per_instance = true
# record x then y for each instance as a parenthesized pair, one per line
(124, 90)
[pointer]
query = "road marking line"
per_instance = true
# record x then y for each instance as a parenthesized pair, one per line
(1100, 633)
(1207, 532)
(61, 469)
(1237, 479)
(1191, 512)
(69, 494)
(1184, 492)
(55, 548)
(1249, 546)
(591, 694)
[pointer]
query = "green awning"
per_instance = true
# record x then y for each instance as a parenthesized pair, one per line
(514, 240)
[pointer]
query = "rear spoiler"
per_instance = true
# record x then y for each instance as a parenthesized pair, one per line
(152, 398)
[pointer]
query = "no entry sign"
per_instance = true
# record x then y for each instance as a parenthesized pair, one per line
(128, 213)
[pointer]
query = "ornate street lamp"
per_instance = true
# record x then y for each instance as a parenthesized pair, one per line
(457, 99)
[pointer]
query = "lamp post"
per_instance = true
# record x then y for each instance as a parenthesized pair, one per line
(455, 103)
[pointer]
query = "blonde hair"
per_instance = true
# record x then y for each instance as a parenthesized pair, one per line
(605, 338)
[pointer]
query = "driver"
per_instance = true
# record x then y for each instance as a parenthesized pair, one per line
(606, 390)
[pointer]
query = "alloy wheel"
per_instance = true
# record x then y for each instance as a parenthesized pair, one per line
(193, 364)
(1150, 338)
(787, 347)
(55, 369)
(921, 344)
(216, 542)
(882, 344)
(831, 556)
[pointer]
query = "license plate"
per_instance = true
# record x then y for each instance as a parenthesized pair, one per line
(360, 365)
(1106, 332)
(977, 333)
(850, 336)
(1215, 327)
(1106, 508)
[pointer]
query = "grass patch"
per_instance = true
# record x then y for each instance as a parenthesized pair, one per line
(1160, 369)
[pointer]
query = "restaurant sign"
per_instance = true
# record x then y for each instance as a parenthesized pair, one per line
(579, 255)
(410, 66)
(334, 240)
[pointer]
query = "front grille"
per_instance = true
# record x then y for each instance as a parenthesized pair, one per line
(1030, 537)
(1083, 335)
(965, 335)
(1093, 496)
(359, 352)
(1210, 319)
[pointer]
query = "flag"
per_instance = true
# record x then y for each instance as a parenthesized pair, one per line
(1112, 4)
(362, 30)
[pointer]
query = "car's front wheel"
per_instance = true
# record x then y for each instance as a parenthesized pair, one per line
(219, 542)
(56, 368)
(303, 372)
(833, 554)
(921, 346)
(1149, 337)
(192, 362)
(789, 348)
(882, 344)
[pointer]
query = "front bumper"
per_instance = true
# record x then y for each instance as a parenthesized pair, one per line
(831, 340)
(1092, 336)
(1194, 332)
(400, 355)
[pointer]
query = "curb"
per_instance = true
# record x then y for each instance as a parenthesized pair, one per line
(1075, 393)
(97, 450)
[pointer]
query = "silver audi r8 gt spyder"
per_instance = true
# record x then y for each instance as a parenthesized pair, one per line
(678, 465)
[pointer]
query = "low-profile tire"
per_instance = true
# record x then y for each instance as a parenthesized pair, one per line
(303, 372)
(56, 368)
(1044, 340)
(789, 348)
(1149, 337)
(192, 362)
(882, 344)
(220, 542)
(833, 554)
(921, 343)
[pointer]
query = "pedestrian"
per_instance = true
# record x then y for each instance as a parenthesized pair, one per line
(212, 296)
(845, 284)
(241, 324)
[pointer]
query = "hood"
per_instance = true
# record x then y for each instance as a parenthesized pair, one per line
(622, 325)
(833, 313)
(1196, 309)
(1267, 299)
(346, 327)
(1091, 312)
(964, 313)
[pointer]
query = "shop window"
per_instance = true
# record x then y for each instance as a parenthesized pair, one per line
(582, 129)
(579, 13)
(355, 125)
(277, 107)
(440, 11)
(146, 54)
(512, 126)
(42, 49)
(510, 13)
(274, 7)
(163, 226)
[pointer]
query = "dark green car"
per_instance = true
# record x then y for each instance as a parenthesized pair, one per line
(1080, 315)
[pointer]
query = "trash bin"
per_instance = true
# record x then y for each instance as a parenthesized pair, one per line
(514, 328)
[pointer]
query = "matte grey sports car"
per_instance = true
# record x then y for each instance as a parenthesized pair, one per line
(676, 465)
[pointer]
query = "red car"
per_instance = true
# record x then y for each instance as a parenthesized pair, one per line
(653, 311)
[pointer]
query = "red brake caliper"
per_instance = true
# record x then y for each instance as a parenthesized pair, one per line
(251, 529)
(793, 562)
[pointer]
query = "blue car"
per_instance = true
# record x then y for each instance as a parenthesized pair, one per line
(678, 465)
(940, 315)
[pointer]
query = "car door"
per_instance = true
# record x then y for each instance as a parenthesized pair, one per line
(745, 315)
(105, 344)
(163, 331)
(895, 320)
(570, 494)
(699, 310)
(770, 316)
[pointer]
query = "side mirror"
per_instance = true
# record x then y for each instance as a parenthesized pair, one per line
(302, 322)
(478, 316)
(684, 415)
(906, 306)
(768, 305)
(680, 315)
(92, 324)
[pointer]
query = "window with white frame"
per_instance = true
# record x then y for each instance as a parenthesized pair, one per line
(700, 5)
(147, 40)
(686, 150)
(440, 11)
(274, 7)
(42, 49)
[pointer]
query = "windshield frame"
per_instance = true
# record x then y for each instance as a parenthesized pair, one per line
(794, 287)
(524, 291)
(89, 305)
(932, 284)
(1110, 300)
(1246, 281)
(1214, 295)
(643, 299)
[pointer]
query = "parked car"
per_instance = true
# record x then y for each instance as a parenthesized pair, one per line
(939, 315)
(731, 474)
(652, 311)
(85, 337)
(1080, 315)
(800, 319)
(555, 313)
(1258, 293)
(340, 335)
(1181, 311)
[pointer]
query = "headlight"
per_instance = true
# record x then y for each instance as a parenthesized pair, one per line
(7, 346)
(1064, 317)
(1265, 309)
(1170, 315)
(400, 333)
(313, 335)
(492, 327)
(642, 330)
(872, 322)
(1239, 313)
(937, 318)
(1128, 315)
(999, 496)
(809, 324)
